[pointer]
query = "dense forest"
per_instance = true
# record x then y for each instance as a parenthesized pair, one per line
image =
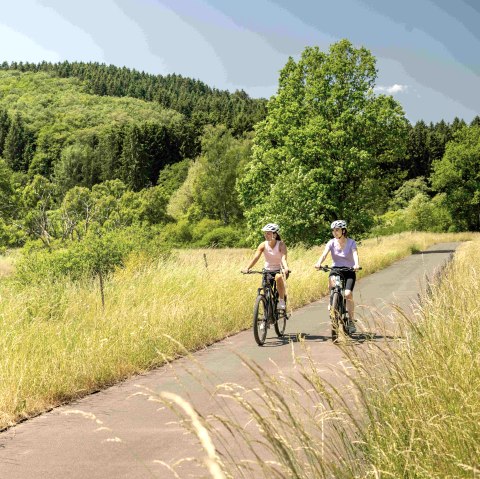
(201, 104)
(95, 151)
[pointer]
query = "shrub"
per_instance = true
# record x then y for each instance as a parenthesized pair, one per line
(98, 253)
(221, 237)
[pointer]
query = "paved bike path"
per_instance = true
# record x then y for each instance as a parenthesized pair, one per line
(119, 433)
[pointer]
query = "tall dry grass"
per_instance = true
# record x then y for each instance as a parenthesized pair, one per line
(426, 410)
(57, 343)
(408, 408)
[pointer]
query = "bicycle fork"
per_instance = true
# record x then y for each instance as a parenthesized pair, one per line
(337, 312)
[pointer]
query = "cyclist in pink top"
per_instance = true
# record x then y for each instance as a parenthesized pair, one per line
(275, 252)
(344, 253)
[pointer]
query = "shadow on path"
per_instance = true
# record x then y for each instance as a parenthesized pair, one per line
(435, 251)
(362, 337)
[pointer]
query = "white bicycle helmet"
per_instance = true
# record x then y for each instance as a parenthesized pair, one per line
(339, 224)
(273, 227)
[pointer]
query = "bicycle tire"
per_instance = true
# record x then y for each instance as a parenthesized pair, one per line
(260, 317)
(335, 315)
(281, 321)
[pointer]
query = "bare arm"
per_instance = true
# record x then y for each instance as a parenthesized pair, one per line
(355, 258)
(283, 250)
(255, 258)
(322, 258)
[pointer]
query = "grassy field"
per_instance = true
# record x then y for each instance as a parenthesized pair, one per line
(409, 407)
(57, 343)
(426, 410)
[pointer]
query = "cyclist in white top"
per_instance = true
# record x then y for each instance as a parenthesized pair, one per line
(275, 252)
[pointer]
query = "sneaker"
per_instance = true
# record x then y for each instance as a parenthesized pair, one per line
(262, 326)
(281, 304)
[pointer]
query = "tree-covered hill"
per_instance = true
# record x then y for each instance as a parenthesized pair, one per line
(200, 103)
(88, 148)
(44, 120)
(42, 99)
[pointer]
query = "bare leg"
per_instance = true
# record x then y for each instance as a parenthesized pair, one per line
(331, 280)
(350, 304)
(280, 286)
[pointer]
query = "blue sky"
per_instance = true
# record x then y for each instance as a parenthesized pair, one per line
(428, 51)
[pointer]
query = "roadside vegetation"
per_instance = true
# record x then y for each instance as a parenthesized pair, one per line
(58, 342)
(407, 407)
(118, 189)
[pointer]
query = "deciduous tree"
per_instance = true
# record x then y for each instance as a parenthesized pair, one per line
(326, 148)
(457, 175)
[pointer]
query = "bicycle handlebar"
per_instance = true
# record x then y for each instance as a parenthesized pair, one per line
(261, 272)
(327, 268)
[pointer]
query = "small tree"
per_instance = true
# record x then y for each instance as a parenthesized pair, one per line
(221, 161)
(15, 146)
(38, 198)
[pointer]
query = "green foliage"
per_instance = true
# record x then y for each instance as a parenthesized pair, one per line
(457, 175)
(182, 200)
(4, 128)
(17, 148)
(426, 144)
(221, 237)
(59, 113)
(111, 206)
(420, 214)
(408, 191)
(76, 162)
(7, 196)
(99, 252)
(76, 167)
(10, 236)
(193, 98)
(173, 176)
(214, 234)
(200, 229)
(176, 234)
(324, 144)
(222, 159)
(390, 223)
(38, 197)
(423, 214)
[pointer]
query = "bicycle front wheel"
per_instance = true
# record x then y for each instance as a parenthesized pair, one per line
(260, 320)
(335, 315)
(281, 321)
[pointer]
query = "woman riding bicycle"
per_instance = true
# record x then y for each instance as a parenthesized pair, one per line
(275, 253)
(344, 253)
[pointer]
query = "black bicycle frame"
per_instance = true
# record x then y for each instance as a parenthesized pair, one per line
(339, 288)
(270, 292)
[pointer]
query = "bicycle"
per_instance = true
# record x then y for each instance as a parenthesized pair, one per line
(265, 311)
(338, 304)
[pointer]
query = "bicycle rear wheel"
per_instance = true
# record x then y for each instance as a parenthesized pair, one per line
(260, 320)
(335, 315)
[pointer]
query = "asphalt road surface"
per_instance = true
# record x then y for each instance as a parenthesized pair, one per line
(119, 433)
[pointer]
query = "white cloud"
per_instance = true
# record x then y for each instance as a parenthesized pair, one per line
(391, 90)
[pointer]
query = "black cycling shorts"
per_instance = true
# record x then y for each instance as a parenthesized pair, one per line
(271, 276)
(349, 278)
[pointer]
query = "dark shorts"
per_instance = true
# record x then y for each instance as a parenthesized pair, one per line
(349, 277)
(271, 276)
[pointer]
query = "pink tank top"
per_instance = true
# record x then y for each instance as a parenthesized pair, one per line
(273, 257)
